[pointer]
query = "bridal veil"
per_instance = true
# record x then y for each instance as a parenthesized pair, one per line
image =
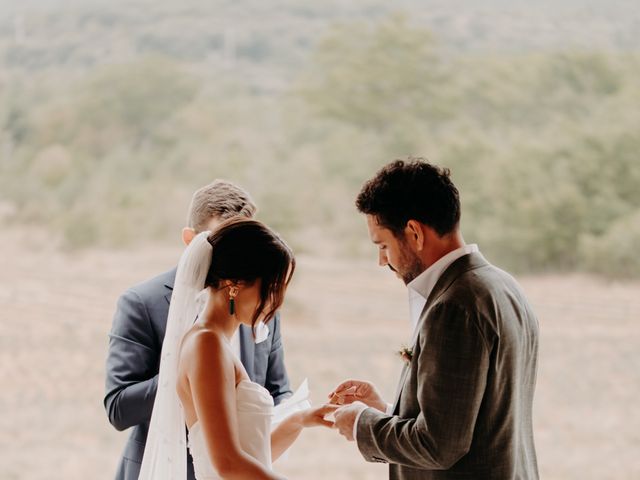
(165, 455)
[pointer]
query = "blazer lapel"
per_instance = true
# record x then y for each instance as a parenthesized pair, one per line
(463, 264)
(247, 349)
(403, 378)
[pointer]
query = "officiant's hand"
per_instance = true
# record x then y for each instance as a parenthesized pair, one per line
(351, 391)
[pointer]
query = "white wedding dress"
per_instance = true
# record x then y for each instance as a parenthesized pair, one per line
(254, 406)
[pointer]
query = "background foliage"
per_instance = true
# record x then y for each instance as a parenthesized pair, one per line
(111, 116)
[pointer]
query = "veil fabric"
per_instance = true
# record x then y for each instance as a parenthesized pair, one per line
(165, 455)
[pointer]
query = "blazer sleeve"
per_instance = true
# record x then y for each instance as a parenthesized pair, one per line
(132, 364)
(453, 362)
(277, 380)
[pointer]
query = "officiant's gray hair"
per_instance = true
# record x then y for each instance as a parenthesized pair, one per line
(220, 199)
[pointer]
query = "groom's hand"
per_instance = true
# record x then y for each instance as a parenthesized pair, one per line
(351, 391)
(345, 418)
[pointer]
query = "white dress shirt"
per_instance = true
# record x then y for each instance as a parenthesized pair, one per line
(261, 334)
(420, 287)
(419, 290)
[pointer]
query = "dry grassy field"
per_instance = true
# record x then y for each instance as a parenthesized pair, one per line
(341, 320)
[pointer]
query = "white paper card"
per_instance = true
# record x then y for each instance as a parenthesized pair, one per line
(298, 401)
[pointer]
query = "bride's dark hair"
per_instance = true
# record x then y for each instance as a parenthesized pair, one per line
(245, 250)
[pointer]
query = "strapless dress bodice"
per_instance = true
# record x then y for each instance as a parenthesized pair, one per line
(254, 407)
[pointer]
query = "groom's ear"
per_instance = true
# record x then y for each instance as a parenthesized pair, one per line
(187, 235)
(415, 234)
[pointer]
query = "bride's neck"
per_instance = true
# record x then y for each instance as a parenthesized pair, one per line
(216, 316)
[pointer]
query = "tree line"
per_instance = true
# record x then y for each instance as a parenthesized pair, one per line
(543, 145)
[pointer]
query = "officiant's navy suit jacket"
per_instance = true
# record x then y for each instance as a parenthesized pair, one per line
(133, 362)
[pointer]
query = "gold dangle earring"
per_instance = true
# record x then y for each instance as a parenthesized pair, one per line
(233, 291)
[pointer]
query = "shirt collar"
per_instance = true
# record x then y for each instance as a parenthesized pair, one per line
(424, 283)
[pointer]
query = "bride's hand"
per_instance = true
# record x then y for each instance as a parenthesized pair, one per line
(314, 417)
(351, 391)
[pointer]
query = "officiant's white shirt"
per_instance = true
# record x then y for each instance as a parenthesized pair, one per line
(419, 290)
(261, 334)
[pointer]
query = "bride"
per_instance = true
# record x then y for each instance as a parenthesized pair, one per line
(237, 274)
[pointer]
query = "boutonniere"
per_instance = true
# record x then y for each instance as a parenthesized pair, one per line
(406, 354)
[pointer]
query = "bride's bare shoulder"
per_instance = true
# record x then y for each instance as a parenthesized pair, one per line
(203, 343)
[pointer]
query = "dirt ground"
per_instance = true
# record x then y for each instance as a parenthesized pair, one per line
(341, 320)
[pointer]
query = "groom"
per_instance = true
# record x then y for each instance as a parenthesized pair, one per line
(464, 402)
(139, 326)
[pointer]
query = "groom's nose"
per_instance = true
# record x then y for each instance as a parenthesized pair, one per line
(382, 258)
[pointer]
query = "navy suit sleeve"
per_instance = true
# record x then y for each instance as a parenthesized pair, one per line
(132, 364)
(277, 381)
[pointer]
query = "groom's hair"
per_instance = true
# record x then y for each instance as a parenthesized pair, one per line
(220, 199)
(411, 190)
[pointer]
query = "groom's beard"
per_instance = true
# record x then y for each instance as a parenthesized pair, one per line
(411, 267)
